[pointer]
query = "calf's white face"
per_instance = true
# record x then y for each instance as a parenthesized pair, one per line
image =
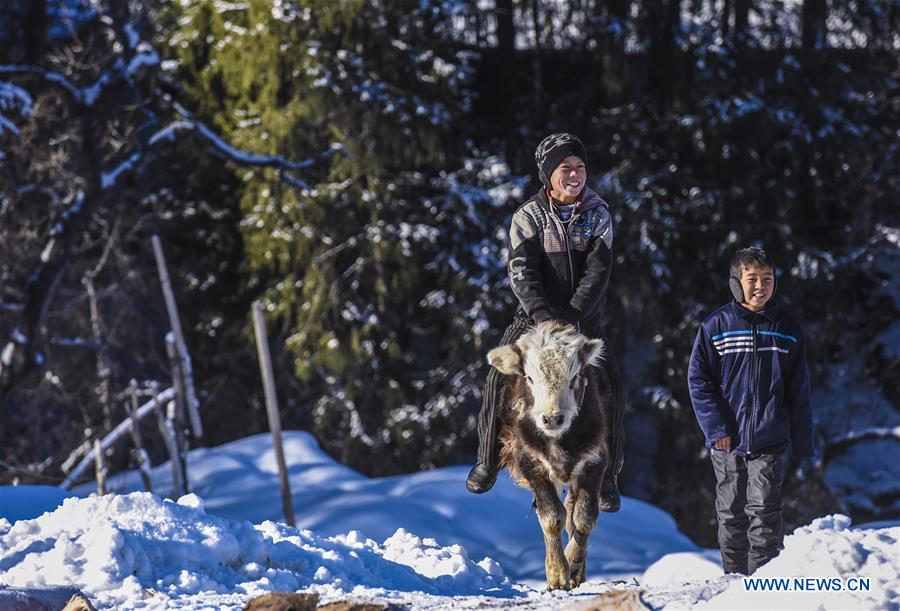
(551, 358)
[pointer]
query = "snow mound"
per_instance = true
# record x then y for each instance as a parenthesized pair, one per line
(680, 568)
(827, 549)
(119, 549)
(239, 481)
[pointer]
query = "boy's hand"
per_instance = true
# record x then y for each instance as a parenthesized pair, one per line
(723, 444)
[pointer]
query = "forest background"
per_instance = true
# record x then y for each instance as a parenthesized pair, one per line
(355, 165)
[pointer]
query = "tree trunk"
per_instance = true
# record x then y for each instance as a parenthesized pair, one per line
(538, 59)
(56, 256)
(670, 49)
(35, 30)
(741, 19)
(662, 20)
(612, 47)
(741, 34)
(506, 37)
(814, 24)
(726, 18)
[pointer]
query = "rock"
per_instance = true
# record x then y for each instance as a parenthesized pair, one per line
(351, 605)
(49, 599)
(622, 599)
(283, 601)
(78, 603)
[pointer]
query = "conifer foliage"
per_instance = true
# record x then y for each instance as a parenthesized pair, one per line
(349, 246)
(355, 165)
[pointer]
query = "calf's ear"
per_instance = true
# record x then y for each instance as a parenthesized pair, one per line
(506, 359)
(593, 352)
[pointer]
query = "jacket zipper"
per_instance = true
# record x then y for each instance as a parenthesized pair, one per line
(754, 372)
(569, 258)
(565, 232)
(563, 228)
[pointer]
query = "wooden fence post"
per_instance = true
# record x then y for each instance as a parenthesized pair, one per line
(186, 367)
(175, 417)
(100, 468)
(140, 455)
(265, 368)
(168, 435)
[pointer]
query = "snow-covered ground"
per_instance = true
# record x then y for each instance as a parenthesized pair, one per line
(418, 540)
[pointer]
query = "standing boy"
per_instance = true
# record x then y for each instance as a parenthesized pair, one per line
(750, 390)
(560, 257)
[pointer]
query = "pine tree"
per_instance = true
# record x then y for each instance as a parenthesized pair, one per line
(341, 247)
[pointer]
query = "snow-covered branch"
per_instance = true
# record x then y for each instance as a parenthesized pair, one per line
(170, 132)
(811, 260)
(79, 95)
(41, 286)
(841, 444)
(13, 98)
(76, 342)
(144, 59)
(50, 76)
(237, 155)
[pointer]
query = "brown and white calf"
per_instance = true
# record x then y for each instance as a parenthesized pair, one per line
(553, 423)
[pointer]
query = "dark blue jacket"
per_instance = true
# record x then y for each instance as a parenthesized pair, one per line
(748, 378)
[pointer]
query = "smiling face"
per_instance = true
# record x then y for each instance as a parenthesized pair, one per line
(568, 179)
(758, 284)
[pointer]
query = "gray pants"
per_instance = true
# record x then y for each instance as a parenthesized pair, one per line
(748, 507)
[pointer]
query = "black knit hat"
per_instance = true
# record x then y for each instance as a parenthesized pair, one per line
(552, 150)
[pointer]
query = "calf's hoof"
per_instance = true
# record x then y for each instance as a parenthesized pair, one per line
(558, 579)
(558, 584)
(576, 575)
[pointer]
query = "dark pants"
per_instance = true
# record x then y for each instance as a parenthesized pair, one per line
(748, 507)
(489, 448)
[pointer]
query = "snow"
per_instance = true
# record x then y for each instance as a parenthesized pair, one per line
(146, 56)
(417, 540)
(240, 481)
(108, 179)
(13, 98)
(7, 354)
(682, 567)
(827, 548)
(867, 475)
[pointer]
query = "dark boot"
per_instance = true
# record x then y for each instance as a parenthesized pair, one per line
(484, 473)
(610, 500)
(481, 478)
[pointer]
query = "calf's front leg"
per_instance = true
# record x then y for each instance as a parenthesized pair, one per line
(583, 508)
(552, 516)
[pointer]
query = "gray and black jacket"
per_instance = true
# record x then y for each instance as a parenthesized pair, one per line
(560, 270)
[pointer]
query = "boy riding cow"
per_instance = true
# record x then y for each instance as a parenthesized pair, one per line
(560, 258)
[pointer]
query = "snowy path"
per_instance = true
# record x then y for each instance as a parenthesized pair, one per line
(417, 541)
